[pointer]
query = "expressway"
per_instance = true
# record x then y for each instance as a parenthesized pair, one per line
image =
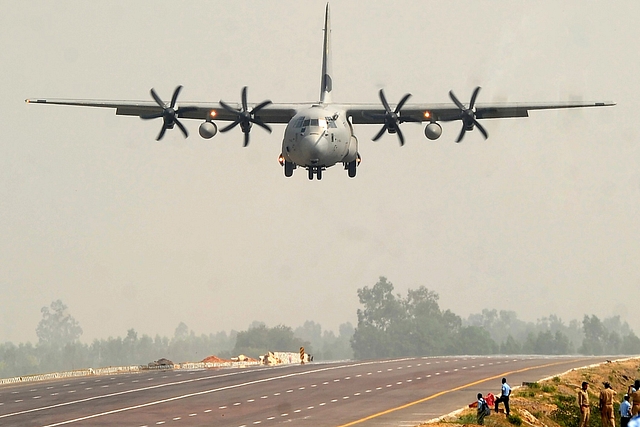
(394, 392)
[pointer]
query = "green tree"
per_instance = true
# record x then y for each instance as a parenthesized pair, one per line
(259, 340)
(57, 327)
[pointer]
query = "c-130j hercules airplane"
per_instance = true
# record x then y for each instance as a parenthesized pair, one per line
(319, 135)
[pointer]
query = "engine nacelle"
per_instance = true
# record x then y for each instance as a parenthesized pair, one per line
(433, 131)
(208, 130)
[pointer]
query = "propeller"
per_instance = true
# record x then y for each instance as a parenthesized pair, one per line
(169, 114)
(244, 117)
(392, 119)
(467, 115)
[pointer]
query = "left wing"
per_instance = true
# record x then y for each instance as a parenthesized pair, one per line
(273, 113)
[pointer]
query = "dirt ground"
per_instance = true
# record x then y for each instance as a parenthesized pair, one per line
(534, 404)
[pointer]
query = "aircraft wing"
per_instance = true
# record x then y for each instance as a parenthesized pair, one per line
(273, 113)
(371, 113)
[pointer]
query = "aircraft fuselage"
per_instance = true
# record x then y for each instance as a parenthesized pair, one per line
(319, 137)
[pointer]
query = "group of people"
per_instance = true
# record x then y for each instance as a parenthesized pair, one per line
(629, 408)
(483, 406)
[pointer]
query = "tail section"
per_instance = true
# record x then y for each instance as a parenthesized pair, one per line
(327, 83)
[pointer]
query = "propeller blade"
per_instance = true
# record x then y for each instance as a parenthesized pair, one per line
(402, 101)
(161, 134)
(155, 96)
(174, 98)
(383, 99)
(261, 106)
(481, 129)
(182, 128)
(462, 132)
(456, 101)
(235, 123)
(261, 124)
(244, 98)
(228, 108)
(152, 116)
(246, 139)
(183, 110)
(400, 135)
(473, 97)
(379, 134)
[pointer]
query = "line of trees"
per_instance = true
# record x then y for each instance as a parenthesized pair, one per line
(389, 325)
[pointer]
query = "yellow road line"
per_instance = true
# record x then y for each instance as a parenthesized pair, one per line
(433, 396)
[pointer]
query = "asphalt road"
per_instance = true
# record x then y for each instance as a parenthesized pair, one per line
(397, 392)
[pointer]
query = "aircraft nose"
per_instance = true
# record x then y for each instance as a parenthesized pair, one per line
(316, 146)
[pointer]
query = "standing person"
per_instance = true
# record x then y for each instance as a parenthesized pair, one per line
(625, 411)
(634, 397)
(482, 409)
(504, 396)
(583, 404)
(606, 405)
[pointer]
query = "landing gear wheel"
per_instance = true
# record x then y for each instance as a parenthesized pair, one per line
(311, 172)
(351, 169)
(288, 169)
(319, 173)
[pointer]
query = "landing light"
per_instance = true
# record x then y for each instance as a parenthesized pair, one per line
(281, 160)
(427, 114)
(212, 113)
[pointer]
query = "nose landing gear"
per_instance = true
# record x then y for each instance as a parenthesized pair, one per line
(315, 170)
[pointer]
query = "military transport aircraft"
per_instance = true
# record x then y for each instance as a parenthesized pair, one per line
(319, 135)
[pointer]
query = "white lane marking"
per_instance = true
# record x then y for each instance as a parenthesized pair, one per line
(310, 407)
(322, 404)
(289, 391)
(177, 418)
(222, 407)
(357, 394)
(251, 400)
(334, 400)
(237, 403)
(345, 397)
(297, 410)
(347, 378)
(37, 397)
(193, 415)
(300, 388)
(368, 391)
(18, 401)
(264, 397)
(89, 388)
(207, 411)
(276, 394)
(284, 415)
(325, 383)
(185, 396)
(271, 418)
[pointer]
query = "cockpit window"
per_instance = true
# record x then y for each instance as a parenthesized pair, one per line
(299, 122)
(313, 122)
(306, 123)
(330, 122)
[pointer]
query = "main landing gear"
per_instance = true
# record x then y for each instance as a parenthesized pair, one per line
(315, 170)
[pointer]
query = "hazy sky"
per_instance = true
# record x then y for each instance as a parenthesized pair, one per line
(132, 233)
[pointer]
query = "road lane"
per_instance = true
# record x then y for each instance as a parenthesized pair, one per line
(403, 391)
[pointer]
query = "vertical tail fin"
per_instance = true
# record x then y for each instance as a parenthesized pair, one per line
(327, 82)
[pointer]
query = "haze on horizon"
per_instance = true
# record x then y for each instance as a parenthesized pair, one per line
(542, 218)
